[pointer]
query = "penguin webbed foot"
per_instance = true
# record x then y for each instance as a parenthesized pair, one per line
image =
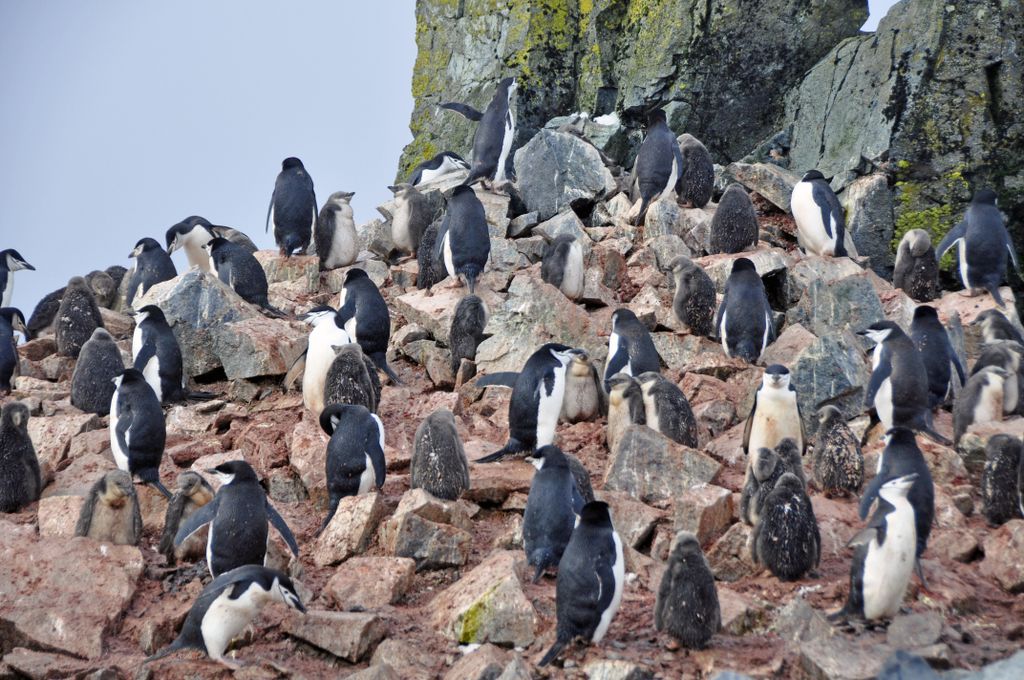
(920, 573)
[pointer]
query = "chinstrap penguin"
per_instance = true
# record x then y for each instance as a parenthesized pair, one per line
(328, 332)
(242, 272)
(11, 320)
(697, 181)
(194, 232)
(152, 266)
(355, 453)
(550, 512)
(995, 326)
(495, 133)
(667, 409)
(786, 537)
(10, 261)
(584, 398)
(658, 165)
(467, 329)
(464, 243)
(138, 431)
(1000, 497)
(110, 513)
(439, 464)
(937, 353)
(562, 266)
(337, 243)
(767, 469)
(191, 493)
(775, 415)
(413, 214)
(744, 320)
(630, 347)
(156, 354)
(352, 379)
(980, 401)
(20, 480)
(433, 169)
(92, 383)
(292, 208)
(687, 600)
(364, 315)
(819, 217)
(1009, 356)
(625, 407)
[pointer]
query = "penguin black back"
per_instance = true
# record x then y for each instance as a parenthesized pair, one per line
(152, 266)
(158, 352)
(937, 353)
(92, 383)
(355, 453)
(658, 163)
(495, 132)
(549, 516)
(630, 347)
(11, 320)
(1000, 495)
(77, 318)
(465, 240)
(364, 314)
(429, 260)
(786, 539)
(293, 207)
(20, 481)
(687, 600)
(744, 320)
(467, 330)
(138, 430)
(242, 272)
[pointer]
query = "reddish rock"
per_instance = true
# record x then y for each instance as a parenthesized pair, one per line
(304, 269)
(38, 349)
(649, 466)
(409, 660)
(265, 440)
(346, 635)
(95, 442)
(351, 529)
(184, 453)
(491, 483)
(52, 436)
(704, 510)
(371, 582)
(1004, 556)
(58, 516)
(634, 520)
(481, 664)
(308, 455)
(729, 557)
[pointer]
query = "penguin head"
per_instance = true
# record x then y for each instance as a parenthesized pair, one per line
(562, 353)
(234, 471)
(812, 175)
(14, 317)
(789, 482)
(743, 264)
(985, 197)
(919, 241)
(78, 283)
(623, 316)
(684, 270)
(549, 457)
(462, 192)
(776, 376)
(898, 487)
(684, 544)
(402, 190)
(284, 591)
(925, 313)
(191, 483)
(340, 197)
(596, 513)
(509, 85)
(648, 378)
(215, 244)
(14, 416)
(355, 274)
(150, 312)
(291, 162)
(13, 260)
(764, 465)
(990, 319)
(827, 414)
(900, 436)
(656, 116)
(1003, 446)
(117, 485)
(332, 416)
(880, 331)
(617, 385)
(130, 376)
(101, 335)
(319, 314)
(178, 234)
(145, 245)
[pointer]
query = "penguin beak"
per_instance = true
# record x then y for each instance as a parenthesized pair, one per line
(26, 265)
(135, 252)
(298, 605)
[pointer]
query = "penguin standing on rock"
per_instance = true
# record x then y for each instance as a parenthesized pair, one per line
(981, 401)
(995, 327)
(537, 397)
(667, 409)
(1000, 496)
(744, 320)
(11, 320)
(584, 395)
(413, 215)
(902, 457)
(1009, 356)
(465, 243)
(110, 513)
(786, 539)
(226, 606)
(659, 164)
(898, 389)
(192, 493)
(364, 315)
(138, 432)
(467, 330)
(238, 517)
(697, 180)
(550, 513)
(562, 266)
(687, 604)
(591, 577)
(433, 169)
(937, 353)
(582, 490)
(766, 470)
(355, 453)
(194, 232)
(242, 272)
(694, 299)
(92, 383)
(917, 268)
(494, 134)
(820, 222)
(352, 379)
(10, 261)
(156, 354)
(152, 266)
(430, 259)
(630, 347)
(883, 552)
(328, 332)
(78, 317)
(734, 225)
(838, 461)
(20, 480)
(337, 243)
(775, 415)
(984, 244)
(625, 407)
(439, 463)
(292, 208)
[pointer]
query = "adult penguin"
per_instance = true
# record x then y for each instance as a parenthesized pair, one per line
(591, 577)
(242, 272)
(550, 514)
(630, 347)
(364, 315)
(292, 208)
(194, 232)
(901, 456)
(238, 517)
(10, 262)
(432, 169)
(138, 431)
(10, 320)
(898, 387)
(355, 453)
(984, 244)
(494, 133)
(659, 164)
(937, 353)
(744, 319)
(155, 352)
(465, 243)
(152, 266)
(328, 332)
(820, 222)
(536, 402)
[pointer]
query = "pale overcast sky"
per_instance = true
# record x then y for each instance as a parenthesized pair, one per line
(121, 117)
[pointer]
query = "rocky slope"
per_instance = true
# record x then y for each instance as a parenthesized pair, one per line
(402, 585)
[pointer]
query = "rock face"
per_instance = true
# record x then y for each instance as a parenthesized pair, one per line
(606, 55)
(556, 170)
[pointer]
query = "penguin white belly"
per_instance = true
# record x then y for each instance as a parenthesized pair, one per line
(613, 349)
(619, 573)
(352, 328)
(226, 618)
(887, 567)
(776, 419)
(572, 274)
(151, 372)
(120, 457)
(1010, 394)
(670, 187)
(449, 263)
(136, 342)
(883, 403)
(368, 479)
(506, 146)
(549, 406)
(810, 230)
(319, 358)
(197, 256)
(721, 331)
(876, 356)
(990, 402)
(344, 248)
(651, 411)
(400, 228)
(962, 254)
(8, 293)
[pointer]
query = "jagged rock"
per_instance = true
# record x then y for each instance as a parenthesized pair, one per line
(565, 223)
(52, 436)
(729, 557)
(346, 635)
(437, 361)
(704, 510)
(410, 660)
(496, 212)
(304, 269)
(505, 257)
(616, 669)
(258, 347)
(649, 466)
(910, 631)
(485, 663)
(666, 248)
(663, 218)
(811, 268)
(768, 180)
(1003, 561)
(44, 665)
(58, 515)
(869, 220)
(371, 582)
(968, 308)
(41, 607)
(768, 263)
(798, 621)
(117, 324)
(434, 312)
(197, 305)
(557, 171)
(827, 307)
(492, 483)
(842, 658)
(1011, 667)
(351, 529)
(522, 224)
(487, 605)
(376, 672)
(534, 313)
(633, 520)
(738, 614)
(607, 133)
(430, 544)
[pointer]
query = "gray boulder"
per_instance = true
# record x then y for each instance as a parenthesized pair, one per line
(650, 467)
(557, 171)
(869, 220)
(827, 307)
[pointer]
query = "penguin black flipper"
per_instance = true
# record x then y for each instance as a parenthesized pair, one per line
(878, 376)
(503, 379)
(465, 110)
(375, 450)
(825, 198)
(956, 362)
(870, 493)
(270, 209)
(124, 423)
(513, 446)
(750, 422)
(619, 360)
(295, 371)
(955, 234)
(380, 359)
(175, 509)
(280, 525)
(196, 521)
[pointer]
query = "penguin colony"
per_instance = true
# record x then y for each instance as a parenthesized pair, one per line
(915, 373)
